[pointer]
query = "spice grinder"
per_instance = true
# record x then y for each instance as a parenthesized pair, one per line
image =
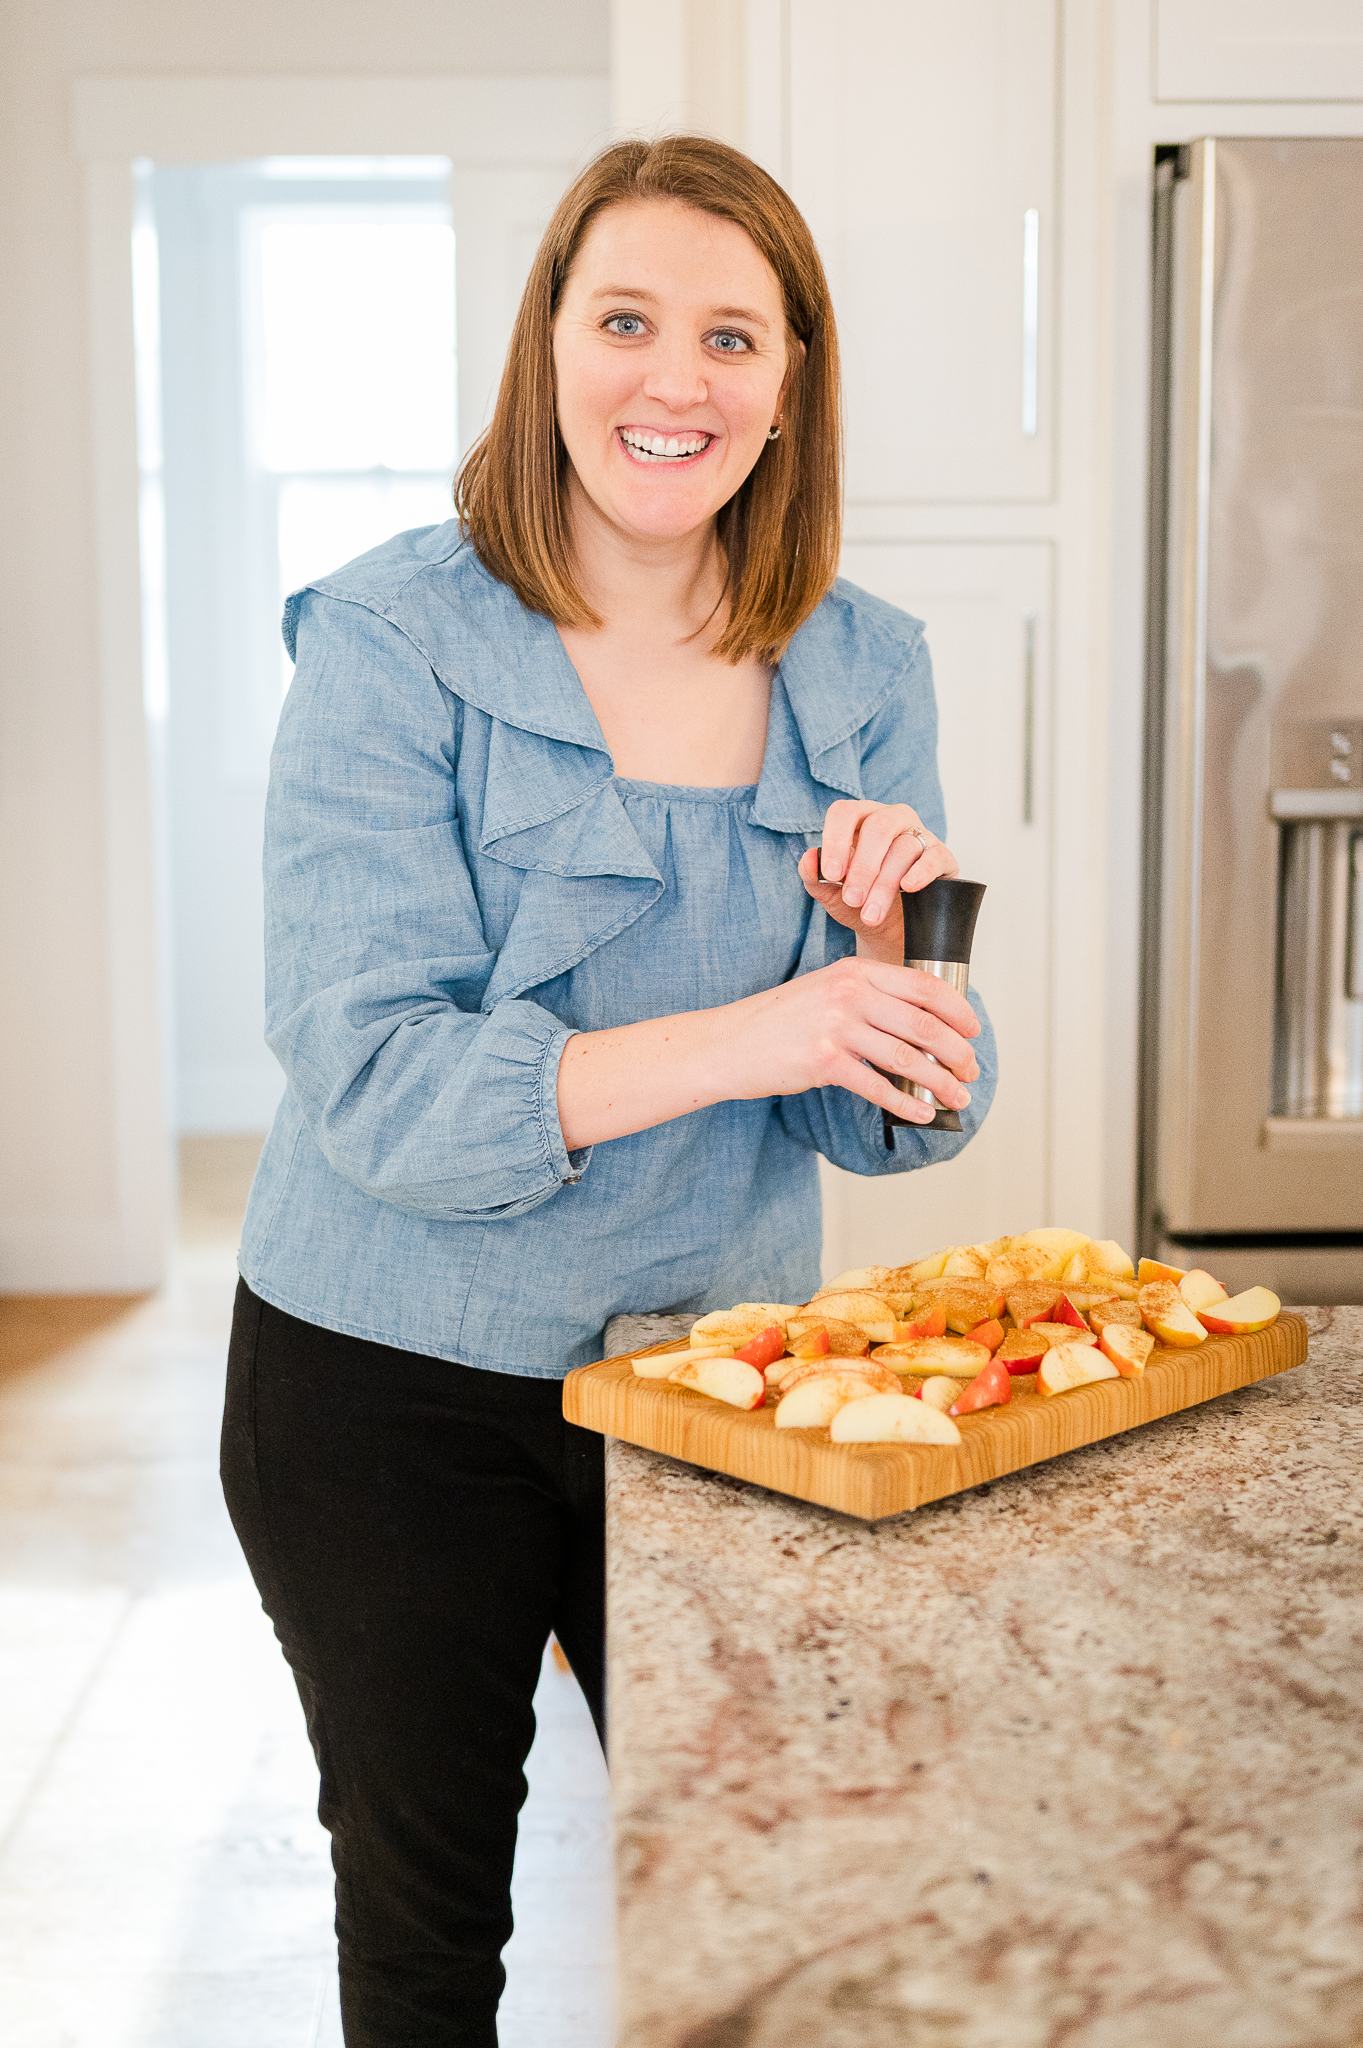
(939, 926)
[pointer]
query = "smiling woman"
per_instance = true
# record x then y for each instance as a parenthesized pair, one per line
(568, 1008)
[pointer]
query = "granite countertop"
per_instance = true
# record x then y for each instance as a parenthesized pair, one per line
(1074, 1760)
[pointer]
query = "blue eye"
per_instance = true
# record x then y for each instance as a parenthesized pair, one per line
(627, 324)
(731, 344)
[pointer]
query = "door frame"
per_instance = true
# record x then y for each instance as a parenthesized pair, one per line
(478, 123)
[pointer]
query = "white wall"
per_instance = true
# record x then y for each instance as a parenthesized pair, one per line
(71, 1216)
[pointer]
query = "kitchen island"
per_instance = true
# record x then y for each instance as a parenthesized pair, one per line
(1075, 1758)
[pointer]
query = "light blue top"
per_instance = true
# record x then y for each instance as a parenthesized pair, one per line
(455, 882)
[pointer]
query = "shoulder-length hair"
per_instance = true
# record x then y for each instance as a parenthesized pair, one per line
(781, 530)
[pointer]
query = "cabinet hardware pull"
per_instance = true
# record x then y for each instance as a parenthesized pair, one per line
(1031, 241)
(1028, 711)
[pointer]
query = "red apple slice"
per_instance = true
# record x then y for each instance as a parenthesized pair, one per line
(1073, 1365)
(1167, 1315)
(989, 1334)
(877, 1377)
(723, 1379)
(989, 1389)
(1244, 1313)
(812, 1344)
(1127, 1348)
(1066, 1312)
(928, 1322)
(1200, 1291)
(1032, 1303)
(1151, 1269)
(1022, 1351)
(764, 1347)
(890, 1419)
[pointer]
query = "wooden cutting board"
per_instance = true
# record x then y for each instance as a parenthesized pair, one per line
(873, 1480)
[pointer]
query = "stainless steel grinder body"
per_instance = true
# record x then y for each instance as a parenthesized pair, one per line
(939, 929)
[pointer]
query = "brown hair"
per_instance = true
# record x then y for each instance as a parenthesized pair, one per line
(781, 530)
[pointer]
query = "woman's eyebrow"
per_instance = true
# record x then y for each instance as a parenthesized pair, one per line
(634, 291)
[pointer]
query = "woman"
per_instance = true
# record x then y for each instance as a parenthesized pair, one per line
(565, 1024)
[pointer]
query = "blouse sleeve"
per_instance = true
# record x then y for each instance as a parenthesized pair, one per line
(898, 766)
(376, 961)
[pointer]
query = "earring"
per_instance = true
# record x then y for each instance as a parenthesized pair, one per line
(774, 433)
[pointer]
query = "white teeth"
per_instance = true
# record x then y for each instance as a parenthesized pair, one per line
(662, 448)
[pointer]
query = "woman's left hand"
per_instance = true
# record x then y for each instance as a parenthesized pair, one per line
(871, 852)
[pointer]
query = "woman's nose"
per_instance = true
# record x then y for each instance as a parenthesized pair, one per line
(676, 379)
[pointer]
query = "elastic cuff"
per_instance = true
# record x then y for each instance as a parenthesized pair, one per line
(569, 1167)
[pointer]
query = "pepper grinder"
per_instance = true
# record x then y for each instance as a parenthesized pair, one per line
(939, 926)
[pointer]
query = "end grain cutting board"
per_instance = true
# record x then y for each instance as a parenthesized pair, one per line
(873, 1480)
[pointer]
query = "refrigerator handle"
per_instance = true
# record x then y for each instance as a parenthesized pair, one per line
(1031, 243)
(1028, 714)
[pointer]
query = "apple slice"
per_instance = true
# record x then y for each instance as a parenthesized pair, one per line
(989, 1334)
(1104, 1312)
(879, 1378)
(964, 1263)
(939, 1393)
(1167, 1315)
(865, 1311)
(1022, 1350)
(660, 1368)
(1200, 1291)
(723, 1379)
(1244, 1313)
(1073, 1365)
(1127, 1348)
(890, 1419)
(1023, 1262)
(1032, 1302)
(1105, 1255)
(812, 1343)
(927, 1322)
(893, 1284)
(1063, 1333)
(929, 1268)
(1151, 1269)
(989, 1389)
(1067, 1312)
(763, 1348)
(954, 1356)
(1086, 1294)
(814, 1403)
(738, 1324)
(1052, 1239)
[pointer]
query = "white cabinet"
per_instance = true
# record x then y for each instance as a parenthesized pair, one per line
(1259, 50)
(987, 608)
(922, 151)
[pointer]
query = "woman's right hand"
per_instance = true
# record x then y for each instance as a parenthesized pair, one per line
(822, 1029)
(818, 1031)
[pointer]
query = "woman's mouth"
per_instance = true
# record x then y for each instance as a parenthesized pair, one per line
(641, 446)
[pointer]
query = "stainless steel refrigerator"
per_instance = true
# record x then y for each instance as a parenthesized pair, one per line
(1251, 1138)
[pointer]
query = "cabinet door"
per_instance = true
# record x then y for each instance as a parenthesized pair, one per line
(987, 610)
(922, 151)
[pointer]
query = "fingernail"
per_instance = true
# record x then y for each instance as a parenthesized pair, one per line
(852, 897)
(963, 1100)
(871, 913)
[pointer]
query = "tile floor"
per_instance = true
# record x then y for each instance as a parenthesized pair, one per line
(164, 1882)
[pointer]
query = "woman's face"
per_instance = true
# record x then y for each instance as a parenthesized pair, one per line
(670, 357)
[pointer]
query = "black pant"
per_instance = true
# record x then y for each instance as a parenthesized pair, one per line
(416, 1530)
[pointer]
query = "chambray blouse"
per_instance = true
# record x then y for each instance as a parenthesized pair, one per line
(455, 882)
